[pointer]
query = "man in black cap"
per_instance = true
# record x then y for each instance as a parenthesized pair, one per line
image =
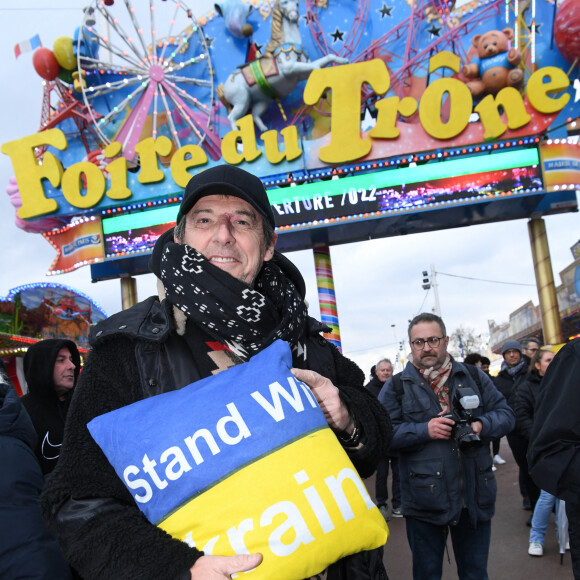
(51, 370)
(225, 295)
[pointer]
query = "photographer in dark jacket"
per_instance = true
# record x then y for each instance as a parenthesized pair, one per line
(225, 295)
(447, 482)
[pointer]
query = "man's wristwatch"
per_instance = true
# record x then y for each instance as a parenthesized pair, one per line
(350, 439)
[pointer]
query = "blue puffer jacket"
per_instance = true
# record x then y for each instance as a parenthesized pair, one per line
(438, 480)
(27, 549)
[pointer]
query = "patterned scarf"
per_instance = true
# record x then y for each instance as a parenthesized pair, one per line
(244, 319)
(513, 371)
(437, 379)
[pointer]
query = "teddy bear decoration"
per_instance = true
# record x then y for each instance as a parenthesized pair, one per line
(494, 66)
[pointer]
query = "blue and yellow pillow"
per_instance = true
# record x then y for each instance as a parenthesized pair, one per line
(244, 462)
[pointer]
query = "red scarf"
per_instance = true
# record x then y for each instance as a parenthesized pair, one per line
(437, 379)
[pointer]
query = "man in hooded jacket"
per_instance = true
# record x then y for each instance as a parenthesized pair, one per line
(51, 370)
(225, 295)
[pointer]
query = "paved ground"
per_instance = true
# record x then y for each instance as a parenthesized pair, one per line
(508, 559)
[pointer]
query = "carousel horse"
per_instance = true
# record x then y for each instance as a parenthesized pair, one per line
(275, 74)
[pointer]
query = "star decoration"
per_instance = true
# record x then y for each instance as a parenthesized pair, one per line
(434, 30)
(258, 47)
(537, 27)
(308, 18)
(368, 120)
(209, 41)
(385, 10)
(337, 35)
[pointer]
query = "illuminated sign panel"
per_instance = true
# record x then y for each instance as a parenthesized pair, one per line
(440, 184)
(136, 233)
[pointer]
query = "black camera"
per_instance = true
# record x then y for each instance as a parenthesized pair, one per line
(465, 399)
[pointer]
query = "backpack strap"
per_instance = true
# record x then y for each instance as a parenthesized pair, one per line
(397, 382)
(472, 370)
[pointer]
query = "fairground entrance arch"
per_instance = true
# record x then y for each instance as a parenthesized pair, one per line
(364, 120)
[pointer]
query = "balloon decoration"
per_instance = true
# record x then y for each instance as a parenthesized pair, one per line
(45, 63)
(567, 30)
(60, 62)
(63, 51)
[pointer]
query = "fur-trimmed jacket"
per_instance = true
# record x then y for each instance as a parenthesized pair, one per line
(136, 354)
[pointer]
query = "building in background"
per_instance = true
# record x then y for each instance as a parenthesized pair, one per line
(526, 321)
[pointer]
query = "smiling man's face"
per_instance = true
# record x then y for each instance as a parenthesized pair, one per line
(229, 233)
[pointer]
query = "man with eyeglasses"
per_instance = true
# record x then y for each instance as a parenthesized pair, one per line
(530, 347)
(447, 482)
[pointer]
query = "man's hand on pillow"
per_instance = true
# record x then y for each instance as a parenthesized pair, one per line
(327, 395)
(219, 567)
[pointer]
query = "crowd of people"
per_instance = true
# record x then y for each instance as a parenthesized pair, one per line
(225, 295)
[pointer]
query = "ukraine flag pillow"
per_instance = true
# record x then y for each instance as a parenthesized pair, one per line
(244, 462)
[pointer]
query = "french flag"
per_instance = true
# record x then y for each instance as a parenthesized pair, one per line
(27, 45)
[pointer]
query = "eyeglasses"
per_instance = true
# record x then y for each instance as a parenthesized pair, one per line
(432, 341)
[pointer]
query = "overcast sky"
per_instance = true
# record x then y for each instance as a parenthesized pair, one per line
(377, 283)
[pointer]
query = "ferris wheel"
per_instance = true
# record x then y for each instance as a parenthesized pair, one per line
(144, 70)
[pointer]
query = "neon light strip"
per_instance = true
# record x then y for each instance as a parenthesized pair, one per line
(122, 223)
(387, 178)
(408, 175)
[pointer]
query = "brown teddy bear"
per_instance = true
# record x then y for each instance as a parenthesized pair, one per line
(494, 67)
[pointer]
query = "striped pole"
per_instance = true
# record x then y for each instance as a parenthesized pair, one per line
(326, 295)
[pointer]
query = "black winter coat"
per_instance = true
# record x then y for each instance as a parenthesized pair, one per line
(554, 449)
(374, 386)
(506, 384)
(136, 354)
(27, 549)
(526, 397)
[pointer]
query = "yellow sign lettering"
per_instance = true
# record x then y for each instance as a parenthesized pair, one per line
(346, 143)
(538, 90)
(72, 185)
(291, 148)
(515, 111)
(117, 169)
(29, 173)
(148, 151)
(460, 105)
(184, 158)
(246, 137)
